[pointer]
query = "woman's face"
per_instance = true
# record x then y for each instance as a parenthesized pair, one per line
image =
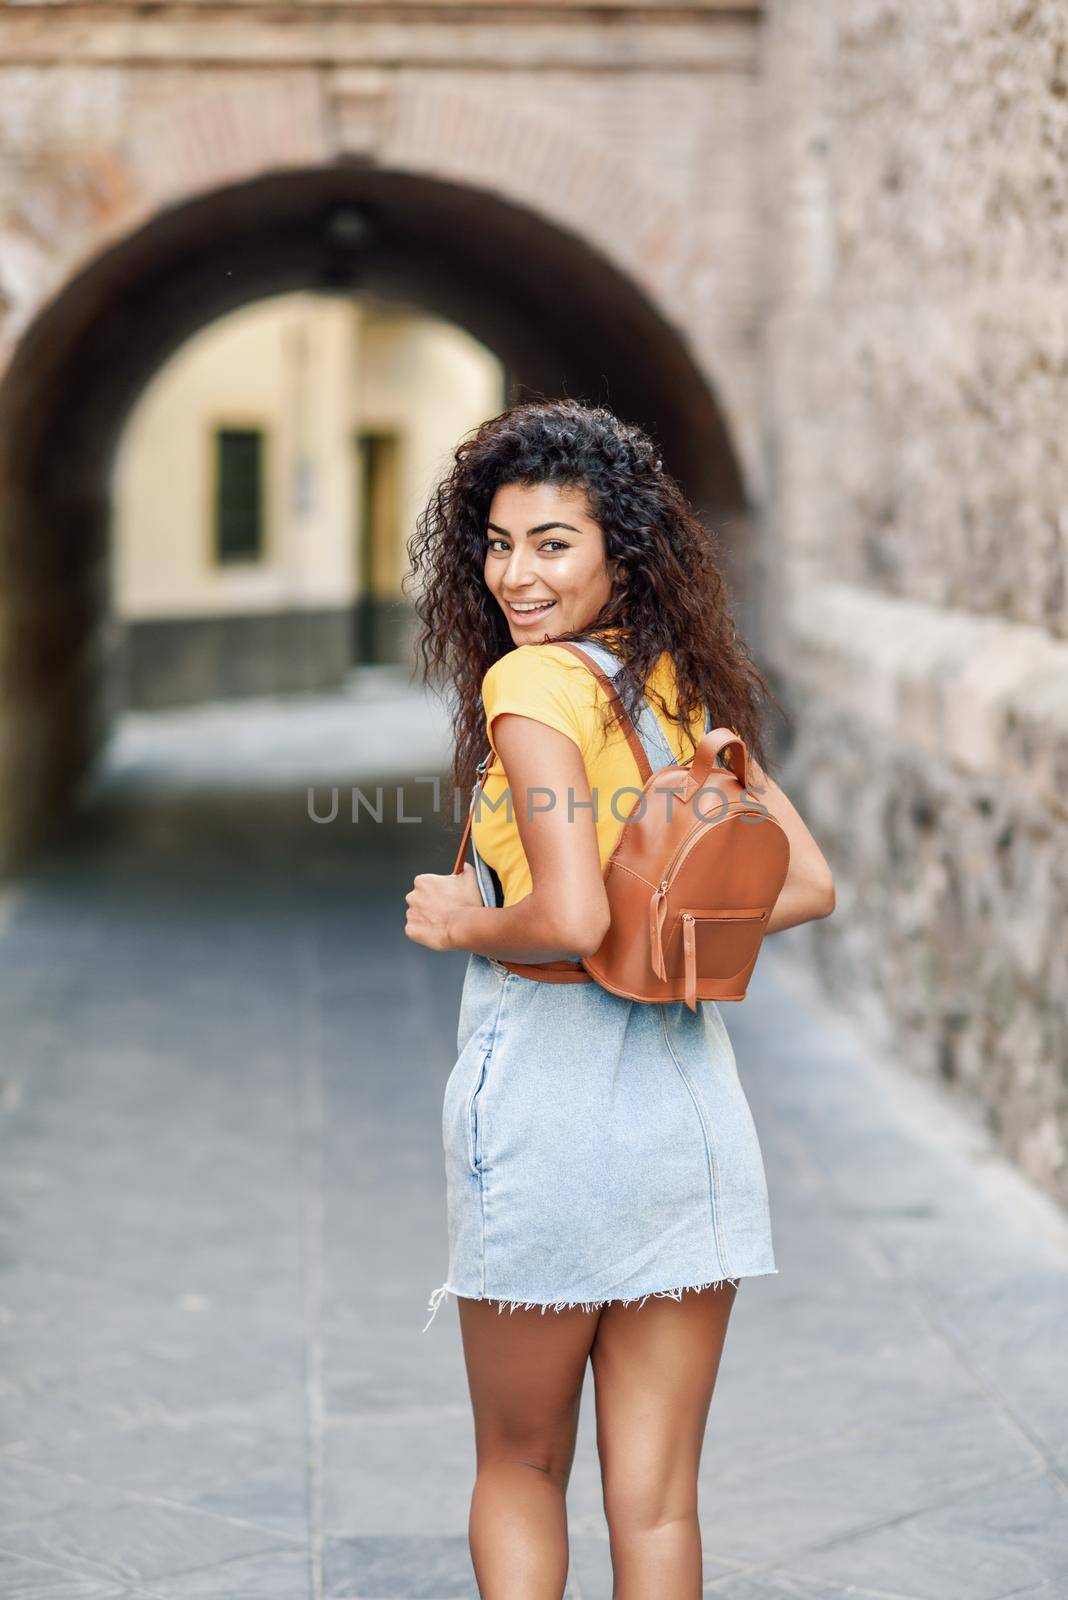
(542, 545)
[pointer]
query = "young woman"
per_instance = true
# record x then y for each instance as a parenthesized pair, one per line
(601, 1158)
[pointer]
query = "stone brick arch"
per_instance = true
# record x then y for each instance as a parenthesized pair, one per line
(549, 251)
(203, 139)
(576, 184)
(246, 126)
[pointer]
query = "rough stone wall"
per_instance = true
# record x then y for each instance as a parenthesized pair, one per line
(915, 207)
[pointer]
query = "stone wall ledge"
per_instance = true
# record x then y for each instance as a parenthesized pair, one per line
(620, 39)
(980, 692)
(554, 8)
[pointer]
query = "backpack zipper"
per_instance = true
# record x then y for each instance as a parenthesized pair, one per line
(692, 838)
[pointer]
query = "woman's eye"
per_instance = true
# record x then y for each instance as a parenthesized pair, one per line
(500, 544)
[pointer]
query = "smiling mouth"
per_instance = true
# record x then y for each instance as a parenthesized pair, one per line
(529, 609)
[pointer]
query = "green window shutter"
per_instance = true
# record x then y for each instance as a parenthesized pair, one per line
(238, 494)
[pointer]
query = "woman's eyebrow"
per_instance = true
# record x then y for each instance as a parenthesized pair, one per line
(543, 527)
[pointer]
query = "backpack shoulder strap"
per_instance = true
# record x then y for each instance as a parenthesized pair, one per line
(655, 747)
(587, 654)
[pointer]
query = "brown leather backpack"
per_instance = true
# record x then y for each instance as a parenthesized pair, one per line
(693, 879)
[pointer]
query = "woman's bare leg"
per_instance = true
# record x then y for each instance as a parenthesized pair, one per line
(525, 1371)
(654, 1369)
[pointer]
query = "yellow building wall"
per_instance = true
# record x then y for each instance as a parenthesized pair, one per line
(314, 372)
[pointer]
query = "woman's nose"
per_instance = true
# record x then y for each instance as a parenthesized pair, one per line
(518, 569)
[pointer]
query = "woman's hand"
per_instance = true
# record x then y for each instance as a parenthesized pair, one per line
(433, 901)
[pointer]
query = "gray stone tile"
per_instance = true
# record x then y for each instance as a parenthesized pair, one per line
(128, 1541)
(236, 1470)
(772, 1403)
(376, 1467)
(1014, 1333)
(779, 1585)
(368, 1371)
(36, 1580)
(282, 1575)
(30, 1491)
(847, 1481)
(1006, 1539)
(399, 1567)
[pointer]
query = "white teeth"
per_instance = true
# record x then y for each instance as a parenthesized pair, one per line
(531, 605)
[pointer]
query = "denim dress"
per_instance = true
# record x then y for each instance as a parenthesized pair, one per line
(597, 1148)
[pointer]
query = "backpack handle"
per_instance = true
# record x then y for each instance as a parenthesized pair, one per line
(708, 752)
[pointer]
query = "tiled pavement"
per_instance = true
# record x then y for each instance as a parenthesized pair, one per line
(221, 1215)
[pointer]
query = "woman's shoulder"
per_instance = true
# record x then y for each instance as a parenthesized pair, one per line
(531, 666)
(546, 682)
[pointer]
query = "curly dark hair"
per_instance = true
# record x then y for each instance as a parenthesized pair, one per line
(672, 596)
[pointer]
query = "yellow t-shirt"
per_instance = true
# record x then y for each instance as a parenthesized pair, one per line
(546, 682)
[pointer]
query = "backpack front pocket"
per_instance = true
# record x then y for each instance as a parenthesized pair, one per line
(718, 944)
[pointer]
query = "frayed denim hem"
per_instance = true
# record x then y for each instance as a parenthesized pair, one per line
(588, 1305)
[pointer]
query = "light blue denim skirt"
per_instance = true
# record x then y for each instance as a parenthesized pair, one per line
(596, 1148)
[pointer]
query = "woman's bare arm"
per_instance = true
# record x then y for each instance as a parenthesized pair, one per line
(808, 892)
(566, 912)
